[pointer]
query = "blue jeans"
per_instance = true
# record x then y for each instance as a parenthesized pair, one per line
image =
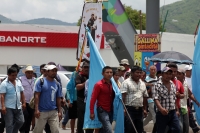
(171, 120)
(106, 119)
(136, 115)
(14, 119)
(66, 118)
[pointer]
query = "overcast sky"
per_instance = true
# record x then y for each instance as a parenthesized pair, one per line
(65, 10)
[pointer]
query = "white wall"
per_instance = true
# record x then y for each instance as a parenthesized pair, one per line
(38, 56)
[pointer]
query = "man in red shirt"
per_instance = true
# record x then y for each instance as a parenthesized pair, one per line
(104, 95)
(179, 89)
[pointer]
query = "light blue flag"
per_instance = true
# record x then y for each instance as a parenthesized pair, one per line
(196, 76)
(96, 66)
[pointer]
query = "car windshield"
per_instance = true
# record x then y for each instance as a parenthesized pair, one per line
(68, 75)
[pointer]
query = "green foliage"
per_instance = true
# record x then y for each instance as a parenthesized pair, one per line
(79, 21)
(183, 16)
(134, 16)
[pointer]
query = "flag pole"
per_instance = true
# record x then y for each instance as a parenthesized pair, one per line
(129, 116)
(82, 51)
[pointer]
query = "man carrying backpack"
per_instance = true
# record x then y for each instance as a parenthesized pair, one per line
(48, 101)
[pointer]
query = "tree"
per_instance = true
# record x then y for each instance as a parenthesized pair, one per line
(79, 21)
(134, 16)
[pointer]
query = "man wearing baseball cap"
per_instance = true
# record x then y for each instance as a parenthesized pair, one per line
(188, 74)
(184, 109)
(125, 63)
(179, 89)
(164, 95)
(121, 70)
(188, 80)
(48, 102)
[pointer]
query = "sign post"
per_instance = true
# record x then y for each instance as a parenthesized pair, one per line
(146, 45)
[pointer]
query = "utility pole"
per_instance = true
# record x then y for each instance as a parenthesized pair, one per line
(140, 21)
(152, 16)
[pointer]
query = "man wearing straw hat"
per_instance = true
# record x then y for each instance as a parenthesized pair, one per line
(28, 84)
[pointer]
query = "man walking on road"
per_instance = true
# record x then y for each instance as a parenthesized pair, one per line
(104, 95)
(134, 95)
(28, 84)
(11, 97)
(48, 95)
(164, 95)
(80, 86)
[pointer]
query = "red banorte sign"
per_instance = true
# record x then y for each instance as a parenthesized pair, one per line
(39, 39)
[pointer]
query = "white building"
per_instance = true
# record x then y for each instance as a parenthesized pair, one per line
(37, 44)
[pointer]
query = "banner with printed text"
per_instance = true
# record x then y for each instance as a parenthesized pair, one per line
(92, 18)
(146, 46)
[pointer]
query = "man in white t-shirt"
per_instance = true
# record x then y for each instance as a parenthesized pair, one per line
(188, 75)
(125, 63)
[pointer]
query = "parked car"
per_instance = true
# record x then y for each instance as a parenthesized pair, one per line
(65, 77)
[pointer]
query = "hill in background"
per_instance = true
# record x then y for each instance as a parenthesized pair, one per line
(47, 21)
(183, 16)
(40, 21)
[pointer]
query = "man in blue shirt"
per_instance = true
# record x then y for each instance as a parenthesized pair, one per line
(48, 102)
(11, 91)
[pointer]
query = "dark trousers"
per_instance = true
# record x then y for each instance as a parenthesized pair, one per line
(28, 115)
(192, 122)
(2, 124)
(81, 114)
(136, 115)
(171, 120)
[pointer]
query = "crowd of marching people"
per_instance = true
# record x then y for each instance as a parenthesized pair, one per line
(164, 96)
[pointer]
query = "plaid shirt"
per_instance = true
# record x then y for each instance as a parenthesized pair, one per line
(135, 92)
(166, 99)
